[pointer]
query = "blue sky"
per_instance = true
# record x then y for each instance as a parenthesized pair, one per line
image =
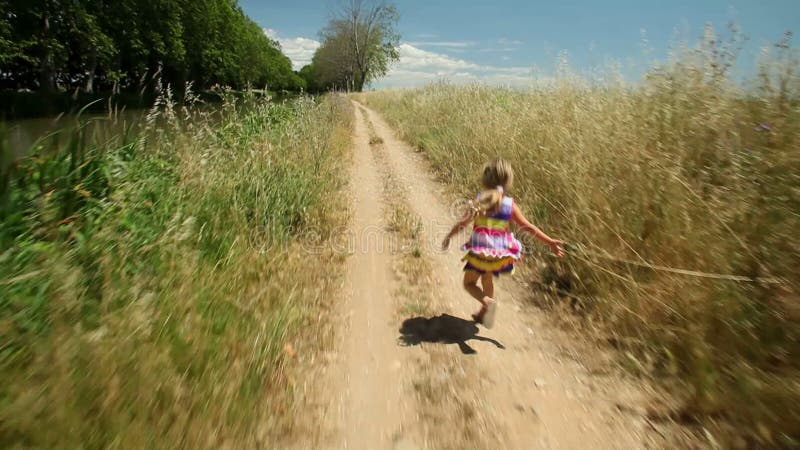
(506, 42)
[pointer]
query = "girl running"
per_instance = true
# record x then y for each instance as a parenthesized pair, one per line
(492, 249)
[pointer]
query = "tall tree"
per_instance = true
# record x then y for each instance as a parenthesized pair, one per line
(358, 44)
(89, 45)
(333, 64)
(9, 49)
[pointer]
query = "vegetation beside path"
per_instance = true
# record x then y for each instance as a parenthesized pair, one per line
(157, 289)
(680, 197)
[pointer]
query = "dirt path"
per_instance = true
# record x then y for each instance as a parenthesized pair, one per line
(515, 386)
(369, 366)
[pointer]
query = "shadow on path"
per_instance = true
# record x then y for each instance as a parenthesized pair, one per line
(444, 329)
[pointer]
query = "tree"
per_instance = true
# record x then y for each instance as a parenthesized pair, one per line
(333, 63)
(8, 48)
(358, 45)
(36, 28)
(89, 45)
(310, 79)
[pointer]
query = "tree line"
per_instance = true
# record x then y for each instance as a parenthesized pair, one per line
(124, 45)
(115, 45)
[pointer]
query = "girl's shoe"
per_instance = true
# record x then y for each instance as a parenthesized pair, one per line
(488, 317)
(478, 316)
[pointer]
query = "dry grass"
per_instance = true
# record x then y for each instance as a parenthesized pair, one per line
(687, 169)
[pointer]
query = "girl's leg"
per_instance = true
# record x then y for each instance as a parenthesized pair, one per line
(487, 313)
(471, 285)
(487, 283)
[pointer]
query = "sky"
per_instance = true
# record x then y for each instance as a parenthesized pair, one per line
(514, 42)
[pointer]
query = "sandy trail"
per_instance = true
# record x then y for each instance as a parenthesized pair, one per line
(369, 366)
(533, 393)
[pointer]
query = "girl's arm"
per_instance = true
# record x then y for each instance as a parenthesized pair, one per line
(463, 222)
(518, 218)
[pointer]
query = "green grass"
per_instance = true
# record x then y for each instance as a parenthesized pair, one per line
(150, 283)
(687, 169)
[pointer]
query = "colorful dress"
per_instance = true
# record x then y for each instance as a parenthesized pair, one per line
(492, 247)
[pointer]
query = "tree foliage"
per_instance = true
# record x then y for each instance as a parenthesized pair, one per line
(358, 46)
(120, 44)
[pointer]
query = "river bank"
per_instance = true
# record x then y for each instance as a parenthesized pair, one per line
(105, 116)
(140, 297)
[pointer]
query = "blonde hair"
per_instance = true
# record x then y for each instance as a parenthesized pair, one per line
(496, 179)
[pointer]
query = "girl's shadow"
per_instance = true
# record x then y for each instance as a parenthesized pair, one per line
(444, 329)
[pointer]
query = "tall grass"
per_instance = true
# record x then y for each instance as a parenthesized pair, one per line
(687, 169)
(151, 283)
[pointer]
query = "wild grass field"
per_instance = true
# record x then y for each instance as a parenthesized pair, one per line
(680, 197)
(155, 286)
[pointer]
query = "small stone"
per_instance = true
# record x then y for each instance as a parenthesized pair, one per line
(539, 383)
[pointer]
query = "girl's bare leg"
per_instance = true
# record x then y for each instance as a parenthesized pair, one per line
(487, 314)
(471, 285)
(487, 283)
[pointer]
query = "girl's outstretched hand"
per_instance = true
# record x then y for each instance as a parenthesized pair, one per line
(446, 243)
(557, 247)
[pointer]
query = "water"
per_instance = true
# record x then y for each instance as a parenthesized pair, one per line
(23, 134)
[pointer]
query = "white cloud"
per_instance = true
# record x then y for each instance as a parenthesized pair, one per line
(412, 57)
(272, 34)
(417, 66)
(299, 49)
(450, 44)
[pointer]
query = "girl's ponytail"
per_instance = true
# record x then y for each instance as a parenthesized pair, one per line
(497, 177)
(488, 201)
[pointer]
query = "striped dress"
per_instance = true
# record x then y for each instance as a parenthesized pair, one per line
(492, 246)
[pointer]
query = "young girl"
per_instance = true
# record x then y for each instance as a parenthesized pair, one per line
(492, 249)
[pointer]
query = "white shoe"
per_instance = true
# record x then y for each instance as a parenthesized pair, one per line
(488, 318)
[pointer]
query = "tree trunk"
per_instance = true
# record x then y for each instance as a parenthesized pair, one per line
(47, 81)
(358, 81)
(89, 86)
